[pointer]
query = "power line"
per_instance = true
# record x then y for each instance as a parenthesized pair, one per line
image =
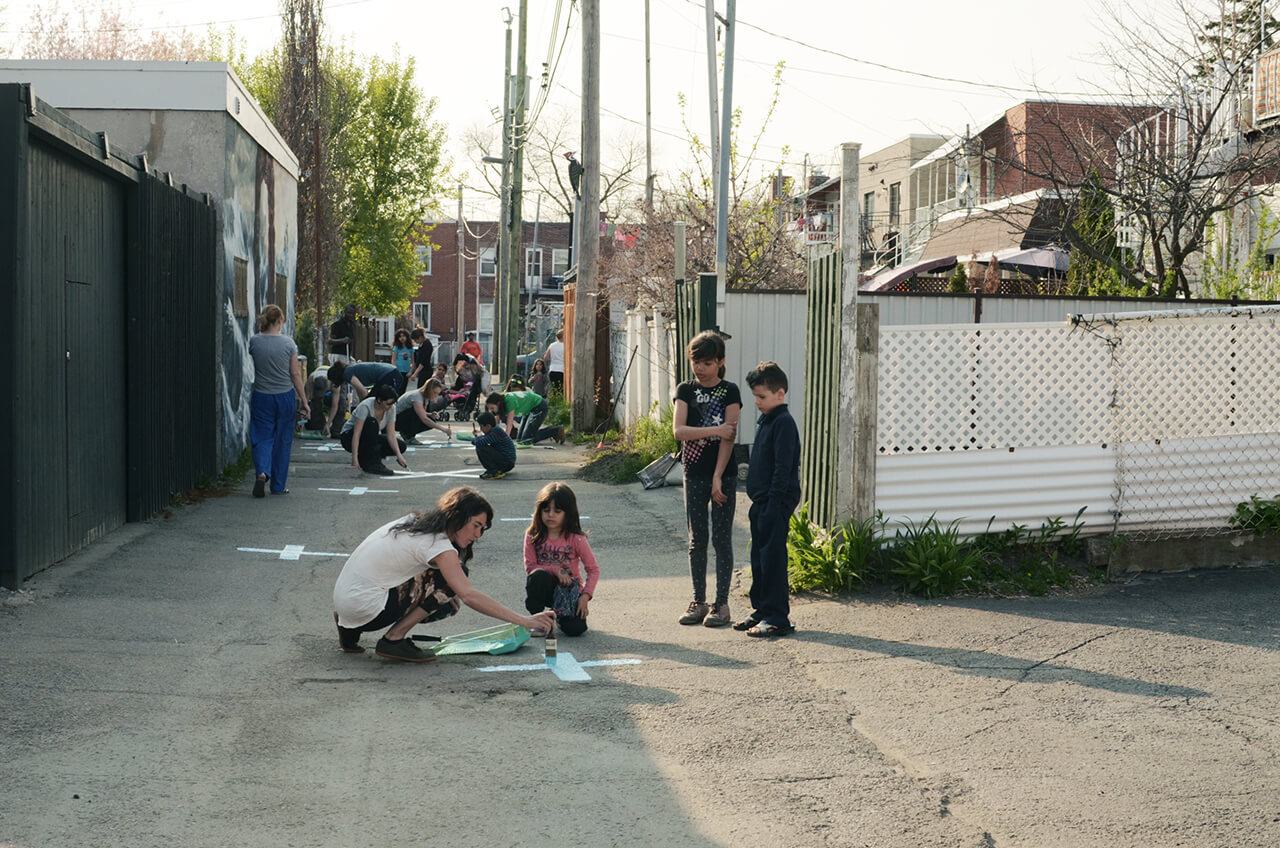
(907, 71)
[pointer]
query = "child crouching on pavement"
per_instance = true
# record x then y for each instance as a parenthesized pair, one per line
(554, 547)
(494, 448)
(773, 484)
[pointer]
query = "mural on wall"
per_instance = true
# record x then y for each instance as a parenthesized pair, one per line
(259, 245)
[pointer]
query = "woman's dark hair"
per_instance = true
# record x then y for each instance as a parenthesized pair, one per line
(337, 371)
(707, 346)
(384, 393)
(454, 509)
(564, 498)
(497, 400)
(418, 333)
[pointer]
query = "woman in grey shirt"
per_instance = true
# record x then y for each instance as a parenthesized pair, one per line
(277, 388)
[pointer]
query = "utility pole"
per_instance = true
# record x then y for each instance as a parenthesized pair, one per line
(725, 176)
(503, 265)
(316, 184)
(584, 316)
(713, 89)
(461, 318)
(648, 118)
(506, 365)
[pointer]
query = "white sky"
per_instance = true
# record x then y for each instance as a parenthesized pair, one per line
(1011, 48)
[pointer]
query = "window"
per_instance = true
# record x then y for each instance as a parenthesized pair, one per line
(533, 268)
(868, 205)
(240, 293)
(488, 261)
(424, 259)
(895, 201)
(486, 318)
(422, 315)
(559, 260)
(384, 331)
(281, 298)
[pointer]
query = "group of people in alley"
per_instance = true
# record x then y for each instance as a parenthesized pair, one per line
(415, 567)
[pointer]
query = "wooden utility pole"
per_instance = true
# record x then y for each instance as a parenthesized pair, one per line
(648, 118)
(584, 316)
(506, 366)
(502, 264)
(724, 172)
(461, 316)
(854, 496)
(317, 184)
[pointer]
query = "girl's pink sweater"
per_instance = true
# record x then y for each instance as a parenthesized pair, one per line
(571, 551)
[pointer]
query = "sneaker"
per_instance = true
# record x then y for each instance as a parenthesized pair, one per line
(493, 475)
(695, 613)
(719, 616)
(348, 639)
(377, 468)
(403, 650)
(259, 487)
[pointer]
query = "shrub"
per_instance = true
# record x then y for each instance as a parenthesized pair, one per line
(931, 560)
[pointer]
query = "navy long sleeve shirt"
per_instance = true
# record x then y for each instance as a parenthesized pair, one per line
(774, 474)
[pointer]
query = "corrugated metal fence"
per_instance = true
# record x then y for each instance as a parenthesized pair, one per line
(110, 279)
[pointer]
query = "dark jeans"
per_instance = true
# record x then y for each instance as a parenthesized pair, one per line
(408, 424)
(531, 429)
(493, 460)
(373, 447)
(538, 589)
(556, 378)
(770, 593)
(697, 496)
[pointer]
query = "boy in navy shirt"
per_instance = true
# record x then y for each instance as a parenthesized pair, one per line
(773, 484)
(494, 449)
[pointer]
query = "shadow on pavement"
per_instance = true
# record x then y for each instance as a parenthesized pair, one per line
(998, 666)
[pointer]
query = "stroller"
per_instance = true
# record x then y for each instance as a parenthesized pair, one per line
(462, 401)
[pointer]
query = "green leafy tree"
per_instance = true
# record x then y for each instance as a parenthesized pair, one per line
(370, 155)
(394, 165)
(959, 281)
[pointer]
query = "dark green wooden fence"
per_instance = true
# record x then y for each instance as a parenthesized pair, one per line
(821, 390)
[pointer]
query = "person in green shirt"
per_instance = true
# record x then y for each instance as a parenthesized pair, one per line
(531, 407)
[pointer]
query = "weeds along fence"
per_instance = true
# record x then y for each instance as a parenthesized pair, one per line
(1159, 423)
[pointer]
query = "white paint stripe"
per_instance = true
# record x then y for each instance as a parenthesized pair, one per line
(292, 552)
(360, 490)
(299, 551)
(563, 666)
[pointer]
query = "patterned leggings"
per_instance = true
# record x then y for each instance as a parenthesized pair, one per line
(697, 496)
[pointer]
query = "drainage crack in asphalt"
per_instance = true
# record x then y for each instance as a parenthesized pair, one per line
(1022, 678)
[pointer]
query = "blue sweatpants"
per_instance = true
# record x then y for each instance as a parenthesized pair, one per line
(271, 420)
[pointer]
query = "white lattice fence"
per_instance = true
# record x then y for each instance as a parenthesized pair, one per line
(1158, 423)
(977, 387)
(1197, 414)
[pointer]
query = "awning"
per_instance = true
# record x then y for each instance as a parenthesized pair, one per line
(1036, 261)
(888, 279)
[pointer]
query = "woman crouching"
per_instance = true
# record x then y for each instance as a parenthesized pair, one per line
(414, 569)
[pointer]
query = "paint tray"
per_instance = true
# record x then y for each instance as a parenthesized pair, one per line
(502, 639)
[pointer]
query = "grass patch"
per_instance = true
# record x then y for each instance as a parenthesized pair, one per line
(932, 560)
(625, 454)
(206, 488)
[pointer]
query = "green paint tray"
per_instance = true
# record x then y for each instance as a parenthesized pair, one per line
(502, 639)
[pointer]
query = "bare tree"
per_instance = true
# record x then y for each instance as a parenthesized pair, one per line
(1173, 147)
(102, 30)
(546, 168)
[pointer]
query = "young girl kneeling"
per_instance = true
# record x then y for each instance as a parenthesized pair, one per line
(554, 548)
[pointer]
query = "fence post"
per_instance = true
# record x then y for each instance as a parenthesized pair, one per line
(849, 399)
(866, 381)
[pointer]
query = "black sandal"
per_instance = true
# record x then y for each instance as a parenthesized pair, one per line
(747, 623)
(766, 630)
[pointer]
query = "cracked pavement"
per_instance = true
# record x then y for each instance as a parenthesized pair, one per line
(164, 688)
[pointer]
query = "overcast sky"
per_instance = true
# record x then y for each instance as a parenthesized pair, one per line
(855, 71)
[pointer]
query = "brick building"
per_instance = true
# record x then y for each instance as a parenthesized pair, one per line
(545, 258)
